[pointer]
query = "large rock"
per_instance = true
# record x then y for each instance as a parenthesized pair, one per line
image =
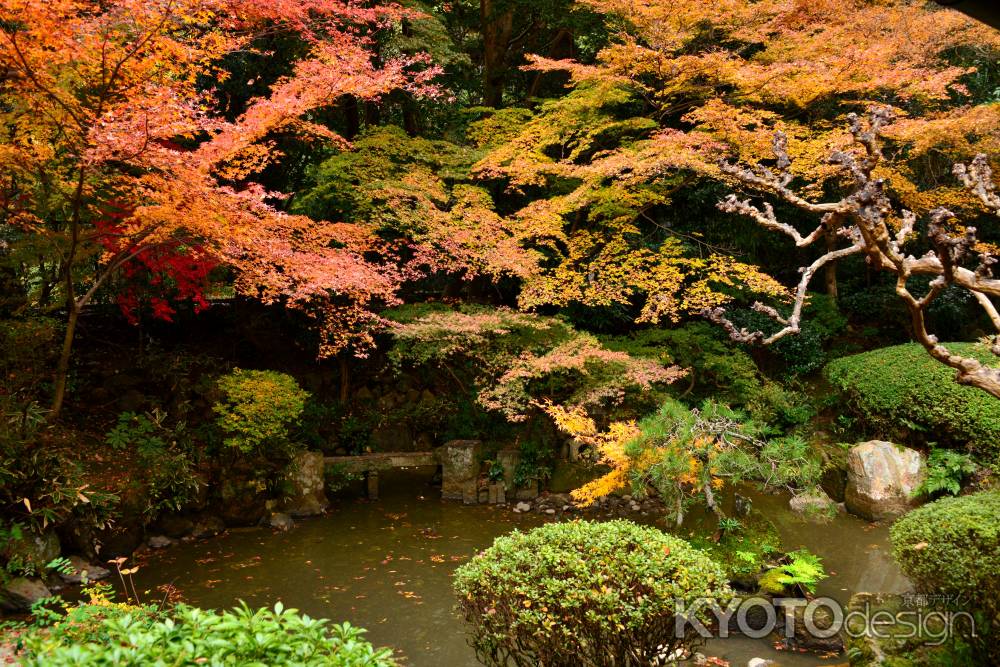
(20, 593)
(83, 572)
(159, 542)
(280, 521)
(35, 549)
(207, 525)
(308, 494)
(460, 462)
(823, 620)
(242, 499)
(175, 526)
(881, 479)
(814, 504)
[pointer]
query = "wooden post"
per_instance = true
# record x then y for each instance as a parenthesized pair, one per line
(371, 480)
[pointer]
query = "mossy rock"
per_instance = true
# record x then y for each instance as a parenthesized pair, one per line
(833, 479)
(896, 644)
(741, 553)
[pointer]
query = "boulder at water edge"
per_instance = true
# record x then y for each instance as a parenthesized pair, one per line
(20, 593)
(881, 479)
(34, 549)
(814, 504)
(308, 495)
(83, 572)
(280, 521)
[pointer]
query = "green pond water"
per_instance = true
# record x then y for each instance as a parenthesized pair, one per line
(386, 566)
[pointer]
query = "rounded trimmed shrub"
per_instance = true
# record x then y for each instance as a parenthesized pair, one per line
(584, 593)
(904, 386)
(258, 408)
(951, 547)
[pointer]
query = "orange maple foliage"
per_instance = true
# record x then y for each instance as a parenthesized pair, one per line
(106, 102)
(687, 82)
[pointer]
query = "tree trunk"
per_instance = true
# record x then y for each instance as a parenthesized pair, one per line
(62, 370)
(345, 377)
(562, 47)
(373, 115)
(496, 30)
(411, 123)
(352, 117)
(830, 272)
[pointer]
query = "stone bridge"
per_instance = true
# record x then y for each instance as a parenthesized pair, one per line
(460, 461)
(370, 464)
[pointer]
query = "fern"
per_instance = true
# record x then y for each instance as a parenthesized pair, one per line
(946, 470)
(805, 569)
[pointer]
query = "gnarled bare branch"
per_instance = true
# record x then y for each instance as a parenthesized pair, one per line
(862, 219)
(978, 178)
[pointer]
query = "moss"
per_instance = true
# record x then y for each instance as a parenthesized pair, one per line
(741, 553)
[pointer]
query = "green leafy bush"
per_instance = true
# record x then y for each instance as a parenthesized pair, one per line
(163, 456)
(258, 409)
(717, 369)
(903, 386)
(804, 352)
(584, 593)
(40, 487)
(106, 633)
(28, 348)
(946, 471)
(951, 547)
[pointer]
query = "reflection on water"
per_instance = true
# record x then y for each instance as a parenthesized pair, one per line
(387, 566)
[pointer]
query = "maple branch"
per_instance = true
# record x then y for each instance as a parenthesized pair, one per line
(29, 72)
(862, 217)
(763, 178)
(768, 220)
(978, 178)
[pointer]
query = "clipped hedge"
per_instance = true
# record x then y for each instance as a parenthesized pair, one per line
(584, 593)
(903, 386)
(112, 634)
(951, 547)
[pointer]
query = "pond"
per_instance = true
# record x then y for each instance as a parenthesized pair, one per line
(386, 566)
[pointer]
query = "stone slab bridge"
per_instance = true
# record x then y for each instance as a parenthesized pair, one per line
(460, 462)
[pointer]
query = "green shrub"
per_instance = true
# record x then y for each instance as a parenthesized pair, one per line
(717, 369)
(258, 409)
(583, 593)
(41, 487)
(902, 386)
(946, 471)
(951, 547)
(164, 458)
(116, 634)
(804, 352)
